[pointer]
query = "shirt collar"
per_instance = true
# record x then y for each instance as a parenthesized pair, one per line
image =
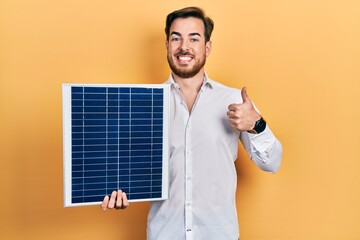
(207, 82)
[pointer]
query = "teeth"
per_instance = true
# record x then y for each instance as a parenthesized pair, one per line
(184, 58)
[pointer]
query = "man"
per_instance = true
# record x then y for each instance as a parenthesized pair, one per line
(207, 119)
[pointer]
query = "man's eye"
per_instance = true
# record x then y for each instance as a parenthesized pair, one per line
(194, 40)
(175, 39)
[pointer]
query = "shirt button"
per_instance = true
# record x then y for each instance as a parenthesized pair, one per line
(188, 230)
(188, 204)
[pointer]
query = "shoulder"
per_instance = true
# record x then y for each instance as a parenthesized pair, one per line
(231, 94)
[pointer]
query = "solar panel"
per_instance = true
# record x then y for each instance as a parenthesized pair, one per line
(115, 137)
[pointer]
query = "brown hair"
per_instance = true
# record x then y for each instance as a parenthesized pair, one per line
(190, 12)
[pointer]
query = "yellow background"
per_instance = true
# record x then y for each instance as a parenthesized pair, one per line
(299, 59)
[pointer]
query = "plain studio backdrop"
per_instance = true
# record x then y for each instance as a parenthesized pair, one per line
(299, 59)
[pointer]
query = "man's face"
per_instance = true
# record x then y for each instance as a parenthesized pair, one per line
(186, 47)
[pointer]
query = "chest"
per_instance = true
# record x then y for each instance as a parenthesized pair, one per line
(206, 121)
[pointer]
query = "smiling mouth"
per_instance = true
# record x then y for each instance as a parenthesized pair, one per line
(184, 58)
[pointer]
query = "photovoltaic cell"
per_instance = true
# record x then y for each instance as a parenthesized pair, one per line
(115, 137)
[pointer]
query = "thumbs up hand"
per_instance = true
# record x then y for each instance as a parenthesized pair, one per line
(243, 116)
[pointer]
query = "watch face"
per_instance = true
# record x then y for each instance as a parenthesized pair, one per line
(260, 125)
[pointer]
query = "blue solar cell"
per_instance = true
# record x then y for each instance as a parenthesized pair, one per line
(157, 109)
(95, 96)
(94, 90)
(113, 90)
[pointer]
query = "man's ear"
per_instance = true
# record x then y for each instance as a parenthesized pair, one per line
(208, 46)
(166, 43)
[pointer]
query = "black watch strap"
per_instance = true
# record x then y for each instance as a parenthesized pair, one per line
(259, 127)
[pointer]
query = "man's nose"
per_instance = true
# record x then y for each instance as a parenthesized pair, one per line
(184, 47)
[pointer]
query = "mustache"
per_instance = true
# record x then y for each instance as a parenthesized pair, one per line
(183, 52)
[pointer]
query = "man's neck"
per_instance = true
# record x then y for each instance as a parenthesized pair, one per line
(190, 87)
(193, 84)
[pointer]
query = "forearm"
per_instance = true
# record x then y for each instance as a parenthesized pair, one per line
(264, 149)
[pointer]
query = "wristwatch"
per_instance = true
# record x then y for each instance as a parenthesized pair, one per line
(259, 127)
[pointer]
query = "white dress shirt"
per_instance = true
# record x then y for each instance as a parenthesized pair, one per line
(203, 148)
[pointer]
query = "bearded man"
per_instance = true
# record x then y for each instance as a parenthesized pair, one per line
(207, 121)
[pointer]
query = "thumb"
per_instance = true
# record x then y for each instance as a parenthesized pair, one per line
(244, 95)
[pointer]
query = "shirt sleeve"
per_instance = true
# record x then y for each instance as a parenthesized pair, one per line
(264, 149)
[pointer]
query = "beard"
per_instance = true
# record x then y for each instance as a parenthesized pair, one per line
(182, 71)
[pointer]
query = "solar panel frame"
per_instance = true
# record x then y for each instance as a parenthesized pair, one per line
(69, 132)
